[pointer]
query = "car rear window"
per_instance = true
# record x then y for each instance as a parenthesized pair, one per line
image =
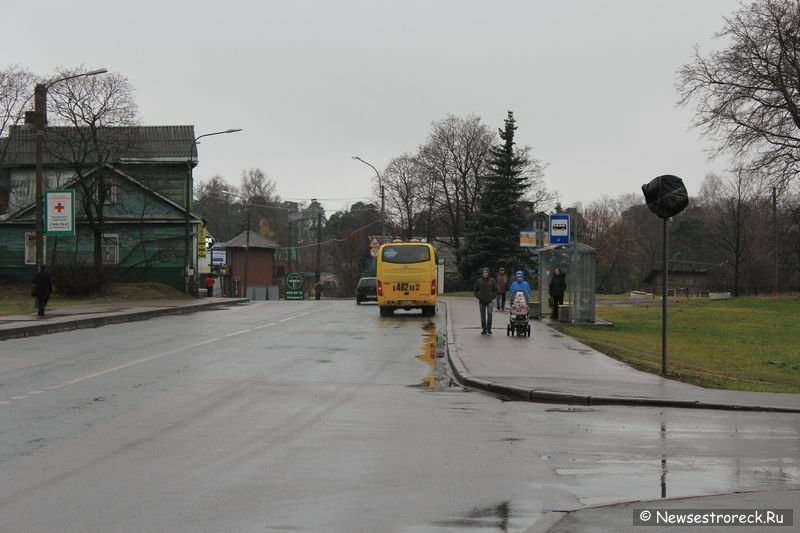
(367, 282)
(406, 254)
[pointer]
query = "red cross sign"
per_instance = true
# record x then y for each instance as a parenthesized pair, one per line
(59, 212)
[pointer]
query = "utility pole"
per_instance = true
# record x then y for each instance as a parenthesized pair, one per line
(246, 251)
(319, 241)
(40, 109)
(777, 240)
(288, 245)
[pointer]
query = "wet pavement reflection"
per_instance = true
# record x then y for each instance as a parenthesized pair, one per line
(616, 455)
(433, 355)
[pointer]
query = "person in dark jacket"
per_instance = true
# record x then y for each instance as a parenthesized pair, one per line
(558, 286)
(485, 291)
(502, 286)
(42, 288)
(317, 290)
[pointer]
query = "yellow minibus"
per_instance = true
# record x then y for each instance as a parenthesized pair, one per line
(406, 273)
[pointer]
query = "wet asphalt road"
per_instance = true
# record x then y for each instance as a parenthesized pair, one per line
(321, 416)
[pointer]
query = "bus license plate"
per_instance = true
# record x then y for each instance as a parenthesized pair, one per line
(406, 287)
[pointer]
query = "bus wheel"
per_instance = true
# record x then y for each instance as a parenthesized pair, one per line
(386, 311)
(429, 310)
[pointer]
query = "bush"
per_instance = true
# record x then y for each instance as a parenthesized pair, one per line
(76, 280)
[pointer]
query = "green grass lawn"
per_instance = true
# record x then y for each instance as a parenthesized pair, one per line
(749, 343)
(15, 299)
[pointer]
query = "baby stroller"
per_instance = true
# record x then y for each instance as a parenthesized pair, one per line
(518, 318)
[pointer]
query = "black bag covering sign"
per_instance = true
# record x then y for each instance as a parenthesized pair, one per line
(666, 196)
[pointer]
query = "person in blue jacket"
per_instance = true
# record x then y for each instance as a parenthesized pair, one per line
(519, 284)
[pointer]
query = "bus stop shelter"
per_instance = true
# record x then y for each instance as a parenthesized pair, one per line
(578, 262)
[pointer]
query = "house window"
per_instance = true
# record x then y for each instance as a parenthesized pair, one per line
(110, 249)
(111, 193)
(30, 248)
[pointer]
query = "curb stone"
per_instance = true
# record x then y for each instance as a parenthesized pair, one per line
(128, 315)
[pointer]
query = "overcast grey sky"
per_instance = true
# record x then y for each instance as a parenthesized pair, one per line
(313, 82)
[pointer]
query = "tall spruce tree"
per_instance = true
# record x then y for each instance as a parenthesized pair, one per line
(493, 233)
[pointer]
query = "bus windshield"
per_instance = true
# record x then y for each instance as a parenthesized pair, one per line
(406, 254)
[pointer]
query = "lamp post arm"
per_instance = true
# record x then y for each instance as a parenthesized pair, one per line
(189, 188)
(40, 109)
(383, 197)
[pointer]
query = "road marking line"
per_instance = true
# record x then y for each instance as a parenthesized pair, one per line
(238, 332)
(133, 363)
(153, 358)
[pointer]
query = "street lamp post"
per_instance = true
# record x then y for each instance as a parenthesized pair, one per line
(187, 264)
(246, 238)
(383, 199)
(40, 112)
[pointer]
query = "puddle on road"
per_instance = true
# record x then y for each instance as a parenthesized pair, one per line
(600, 479)
(432, 354)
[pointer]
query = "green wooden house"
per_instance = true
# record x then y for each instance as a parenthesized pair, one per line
(145, 181)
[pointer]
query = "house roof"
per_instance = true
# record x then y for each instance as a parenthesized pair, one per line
(256, 241)
(132, 144)
(25, 213)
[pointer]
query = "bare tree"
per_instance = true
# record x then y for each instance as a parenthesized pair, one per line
(219, 209)
(257, 186)
(404, 187)
(621, 258)
(747, 96)
(16, 93)
(260, 192)
(97, 115)
(734, 223)
(453, 159)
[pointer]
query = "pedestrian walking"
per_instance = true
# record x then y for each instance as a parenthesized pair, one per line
(485, 291)
(317, 290)
(519, 284)
(557, 288)
(210, 285)
(502, 287)
(42, 288)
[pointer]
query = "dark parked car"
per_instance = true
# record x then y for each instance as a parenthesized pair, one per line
(366, 290)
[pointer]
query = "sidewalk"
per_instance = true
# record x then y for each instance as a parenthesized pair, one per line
(69, 317)
(551, 367)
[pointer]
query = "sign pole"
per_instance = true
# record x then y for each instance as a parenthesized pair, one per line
(664, 304)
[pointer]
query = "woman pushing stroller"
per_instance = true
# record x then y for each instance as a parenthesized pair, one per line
(519, 284)
(520, 295)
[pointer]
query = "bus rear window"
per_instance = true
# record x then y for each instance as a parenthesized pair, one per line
(406, 254)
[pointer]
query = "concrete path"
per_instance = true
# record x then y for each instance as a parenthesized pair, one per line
(551, 367)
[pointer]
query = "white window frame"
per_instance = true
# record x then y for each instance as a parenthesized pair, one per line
(30, 248)
(110, 248)
(111, 196)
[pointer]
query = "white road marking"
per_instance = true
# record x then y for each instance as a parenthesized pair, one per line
(238, 332)
(154, 357)
(133, 363)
